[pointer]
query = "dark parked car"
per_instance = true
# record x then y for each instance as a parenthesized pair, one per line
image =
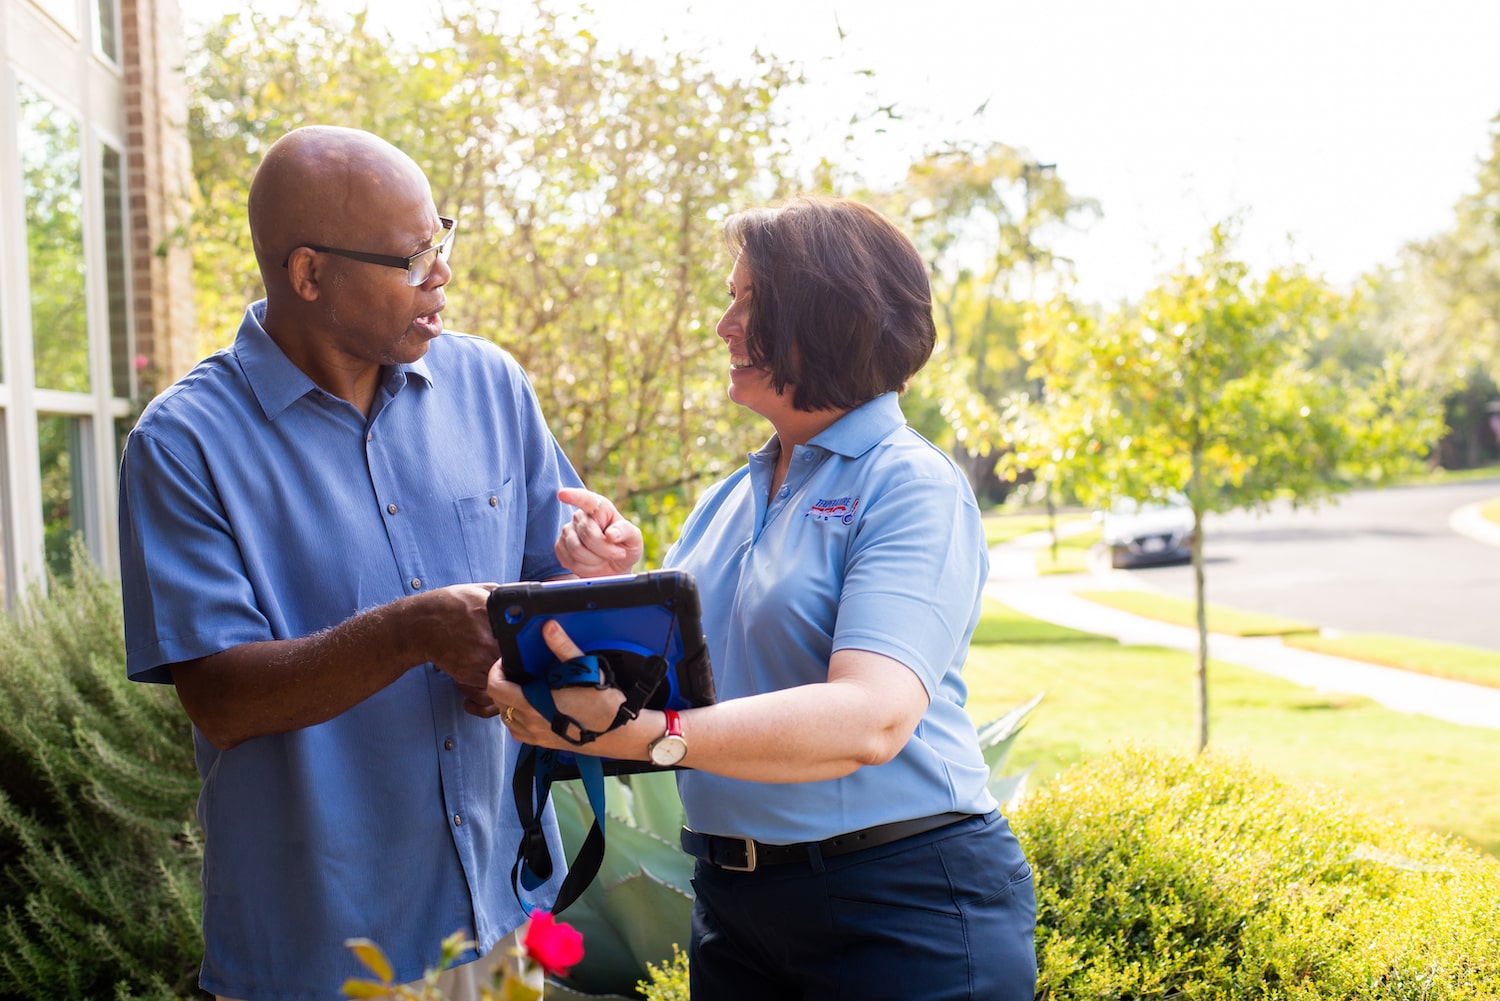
(1145, 533)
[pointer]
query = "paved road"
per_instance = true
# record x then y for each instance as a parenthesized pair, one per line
(1014, 581)
(1386, 561)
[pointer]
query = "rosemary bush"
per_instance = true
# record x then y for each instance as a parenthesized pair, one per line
(100, 892)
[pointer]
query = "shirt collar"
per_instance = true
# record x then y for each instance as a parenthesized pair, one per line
(862, 428)
(275, 380)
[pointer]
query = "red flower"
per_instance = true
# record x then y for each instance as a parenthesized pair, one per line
(552, 945)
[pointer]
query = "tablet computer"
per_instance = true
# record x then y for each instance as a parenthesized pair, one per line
(643, 626)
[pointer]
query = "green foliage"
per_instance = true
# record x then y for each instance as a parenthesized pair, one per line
(97, 785)
(1207, 388)
(1164, 876)
(669, 982)
(982, 217)
(1440, 302)
(589, 186)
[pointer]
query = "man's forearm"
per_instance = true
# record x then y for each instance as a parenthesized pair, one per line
(275, 686)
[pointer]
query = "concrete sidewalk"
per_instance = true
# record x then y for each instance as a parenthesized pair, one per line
(1014, 581)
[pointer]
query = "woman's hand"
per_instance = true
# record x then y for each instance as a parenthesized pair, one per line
(598, 541)
(592, 708)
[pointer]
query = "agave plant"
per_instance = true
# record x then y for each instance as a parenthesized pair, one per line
(995, 740)
(641, 903)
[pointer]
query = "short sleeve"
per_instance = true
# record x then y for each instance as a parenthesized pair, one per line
(914, 577)
(185, 590)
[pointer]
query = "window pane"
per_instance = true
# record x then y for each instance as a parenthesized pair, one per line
(64, 466)
(106, 29)
(52, 169)
(121, 354)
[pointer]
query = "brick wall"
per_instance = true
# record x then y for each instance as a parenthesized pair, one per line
(159, 178)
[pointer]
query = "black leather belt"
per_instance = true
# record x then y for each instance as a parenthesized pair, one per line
(745, 854)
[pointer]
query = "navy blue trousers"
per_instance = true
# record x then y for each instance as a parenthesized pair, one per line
(949, 915)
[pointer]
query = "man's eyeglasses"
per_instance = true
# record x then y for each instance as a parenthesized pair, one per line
(418, 266)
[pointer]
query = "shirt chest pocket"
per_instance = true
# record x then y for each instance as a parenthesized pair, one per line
(493, 528)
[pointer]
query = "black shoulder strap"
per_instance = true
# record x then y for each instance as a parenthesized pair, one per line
(531, 782)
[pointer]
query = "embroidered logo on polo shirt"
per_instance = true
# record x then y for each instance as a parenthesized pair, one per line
(834, 509)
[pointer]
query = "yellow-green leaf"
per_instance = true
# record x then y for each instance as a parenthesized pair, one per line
(373, 957)
(356, 988)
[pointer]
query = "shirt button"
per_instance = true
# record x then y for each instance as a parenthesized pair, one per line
(390, 509)
(416, 583)
(494, 501)
(783, 492)
(458, 821)
(448, 744)
(370, 436)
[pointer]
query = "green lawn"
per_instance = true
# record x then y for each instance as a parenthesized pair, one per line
(1072, 553)
(1184, 612)
(1000, 527)
(1442, 660)
(1100, 694)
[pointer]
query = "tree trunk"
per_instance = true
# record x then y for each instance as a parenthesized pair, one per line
(1199, 596)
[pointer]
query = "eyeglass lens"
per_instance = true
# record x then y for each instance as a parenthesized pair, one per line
(422, 264)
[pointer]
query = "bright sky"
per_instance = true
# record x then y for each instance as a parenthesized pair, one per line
(1348, 127)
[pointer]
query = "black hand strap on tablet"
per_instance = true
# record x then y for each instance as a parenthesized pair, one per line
(532, 779)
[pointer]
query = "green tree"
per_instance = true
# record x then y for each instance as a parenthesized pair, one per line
(1207, 387)
(1460, 271)
(589, 186)
(982, 217)
(1439, 305)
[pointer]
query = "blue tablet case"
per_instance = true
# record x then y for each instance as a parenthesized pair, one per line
(633, 622)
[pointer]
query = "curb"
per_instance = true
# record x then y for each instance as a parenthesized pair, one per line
(1468, 522)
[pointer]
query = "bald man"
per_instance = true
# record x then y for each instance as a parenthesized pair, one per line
(310, 523)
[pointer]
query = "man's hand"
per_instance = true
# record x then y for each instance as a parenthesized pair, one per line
(598, 541)
(460, 642)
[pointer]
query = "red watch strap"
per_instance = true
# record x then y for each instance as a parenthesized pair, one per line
(674, 723)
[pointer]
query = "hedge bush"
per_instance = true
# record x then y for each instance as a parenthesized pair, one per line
(100, 895)
(1164, 876)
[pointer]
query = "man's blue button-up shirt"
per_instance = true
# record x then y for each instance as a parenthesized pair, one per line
(256, 506)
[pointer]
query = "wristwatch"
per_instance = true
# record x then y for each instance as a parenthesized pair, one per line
(670, 747)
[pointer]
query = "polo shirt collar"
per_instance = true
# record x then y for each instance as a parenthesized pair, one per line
(862, 428)
(275, 380)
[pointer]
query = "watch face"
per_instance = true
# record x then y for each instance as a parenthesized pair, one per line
(668, 750)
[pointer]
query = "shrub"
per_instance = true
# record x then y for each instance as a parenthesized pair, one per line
(1171, 876)
(100, 893)
(669, 982)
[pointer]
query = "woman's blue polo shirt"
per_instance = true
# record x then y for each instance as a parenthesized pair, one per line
(255, 506)
(872, 543)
